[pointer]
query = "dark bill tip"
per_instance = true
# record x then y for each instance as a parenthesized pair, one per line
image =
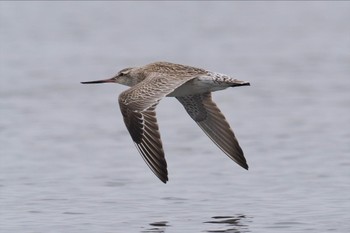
(111, 80)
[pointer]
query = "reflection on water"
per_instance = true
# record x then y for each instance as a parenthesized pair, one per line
(157, 227)
(233, 224)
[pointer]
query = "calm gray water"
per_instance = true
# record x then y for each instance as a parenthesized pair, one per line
(67, 163)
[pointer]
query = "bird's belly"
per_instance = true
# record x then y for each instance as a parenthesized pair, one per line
(197, 86)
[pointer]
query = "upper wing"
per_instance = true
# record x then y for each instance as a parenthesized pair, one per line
(209, 117)
(137, 105)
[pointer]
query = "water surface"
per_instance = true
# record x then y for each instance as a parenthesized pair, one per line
(67, 163)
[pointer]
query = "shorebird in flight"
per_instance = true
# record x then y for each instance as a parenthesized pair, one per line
(192, 87)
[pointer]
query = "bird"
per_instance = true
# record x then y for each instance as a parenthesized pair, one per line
(192, 87)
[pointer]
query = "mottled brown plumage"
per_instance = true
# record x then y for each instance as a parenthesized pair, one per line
(192, 87)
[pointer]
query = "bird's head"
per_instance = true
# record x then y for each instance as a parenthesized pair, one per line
(125, 76)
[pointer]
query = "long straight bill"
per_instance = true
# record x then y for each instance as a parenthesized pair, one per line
(110, 80)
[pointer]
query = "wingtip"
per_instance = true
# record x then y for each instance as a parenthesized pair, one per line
(164, 179)
(245, 166)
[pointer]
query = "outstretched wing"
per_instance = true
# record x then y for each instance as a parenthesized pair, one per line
(138, 105)
(208, 116)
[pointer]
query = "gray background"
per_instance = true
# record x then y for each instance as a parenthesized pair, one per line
(67, 163)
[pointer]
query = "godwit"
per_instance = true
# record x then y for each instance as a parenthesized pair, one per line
(192, 87)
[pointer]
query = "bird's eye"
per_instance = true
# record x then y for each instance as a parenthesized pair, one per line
(123, 72)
